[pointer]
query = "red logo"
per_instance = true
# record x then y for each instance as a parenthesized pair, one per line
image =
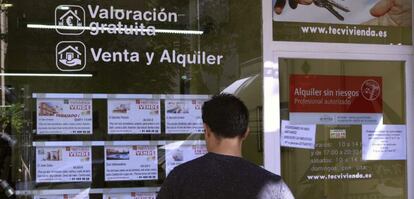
(370, 90)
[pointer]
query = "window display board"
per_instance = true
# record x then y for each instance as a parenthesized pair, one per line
(94, 193)
(126, 161)
(351, 21)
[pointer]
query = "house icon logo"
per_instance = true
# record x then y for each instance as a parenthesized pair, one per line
(69, 19)
(70, 56)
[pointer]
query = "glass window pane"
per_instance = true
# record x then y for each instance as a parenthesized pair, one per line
(103, 94)
(354, 155)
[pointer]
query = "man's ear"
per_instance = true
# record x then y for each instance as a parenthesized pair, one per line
(246, 134)
(207, 130)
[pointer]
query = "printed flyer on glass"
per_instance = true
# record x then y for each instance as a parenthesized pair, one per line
(297, 136)
(64, 116)
(63, 164)
(134, 116)
(384, 142)
(124, 163)
(183, 116)
(177, 154)
(132, 195)
(347, 21)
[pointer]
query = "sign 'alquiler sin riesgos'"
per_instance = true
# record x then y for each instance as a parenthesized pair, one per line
(324, 99)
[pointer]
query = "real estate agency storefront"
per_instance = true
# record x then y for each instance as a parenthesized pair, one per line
(102, 99)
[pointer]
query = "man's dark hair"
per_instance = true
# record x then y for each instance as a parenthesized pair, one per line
(226, 115)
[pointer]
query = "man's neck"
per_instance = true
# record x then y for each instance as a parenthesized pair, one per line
(226, 146)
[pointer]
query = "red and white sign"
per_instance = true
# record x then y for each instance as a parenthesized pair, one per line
(323, 99)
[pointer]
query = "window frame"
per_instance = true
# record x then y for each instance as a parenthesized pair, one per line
(275, 50)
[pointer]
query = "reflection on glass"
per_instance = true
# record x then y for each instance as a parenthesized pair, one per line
(100, 74)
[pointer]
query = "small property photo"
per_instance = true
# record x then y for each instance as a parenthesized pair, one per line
(117, 154)
(53, 155)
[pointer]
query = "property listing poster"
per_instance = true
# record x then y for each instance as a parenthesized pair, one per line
(352, 21)
(64, 116)
(183, 116)
(134, 116)
(328, 99)
(132, 195)
(179, 154)
(64, 196)
(63, 164)
(123, 163)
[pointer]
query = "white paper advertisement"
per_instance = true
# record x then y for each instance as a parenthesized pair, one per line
(177, 154)
(353, 12)
(132, 195)
(64, 116)
(124, 163)
(298, 136)
(356, 21)
(63, 164)
(384, 142)
(134, 116)
(183, 116)
(64, 196)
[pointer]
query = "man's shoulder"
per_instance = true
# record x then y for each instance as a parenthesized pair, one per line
(178, 179)
(211, 164)
(226, 170)
(187, 167)
(207, 161)
(263, 173)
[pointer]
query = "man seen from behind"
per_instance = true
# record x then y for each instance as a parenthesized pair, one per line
(222, 173)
